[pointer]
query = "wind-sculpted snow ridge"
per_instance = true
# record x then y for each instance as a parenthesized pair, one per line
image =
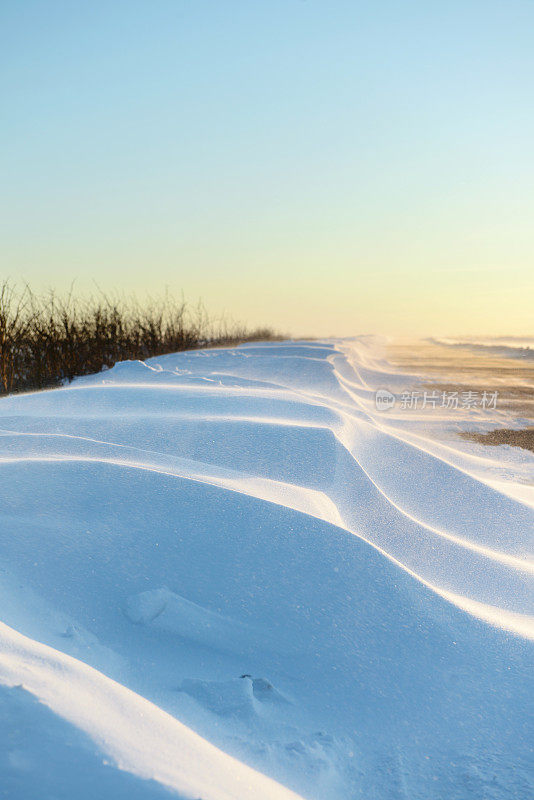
(232, 577)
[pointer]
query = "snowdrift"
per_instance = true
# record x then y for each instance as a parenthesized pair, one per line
(224, 575)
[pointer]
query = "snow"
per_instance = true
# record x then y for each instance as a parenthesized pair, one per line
(515, 347)
(224, 574)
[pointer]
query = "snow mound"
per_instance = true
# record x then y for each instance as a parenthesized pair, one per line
(189, 620)
(224, 698)
(208, 559)
(242, 697)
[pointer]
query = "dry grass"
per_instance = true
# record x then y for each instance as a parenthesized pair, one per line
(48, 339)
(517, 438)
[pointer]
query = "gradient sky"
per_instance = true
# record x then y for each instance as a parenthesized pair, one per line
(325, 166)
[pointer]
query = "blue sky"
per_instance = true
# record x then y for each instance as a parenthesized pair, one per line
(321, 166)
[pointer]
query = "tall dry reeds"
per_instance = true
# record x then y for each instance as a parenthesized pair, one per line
(48, 339)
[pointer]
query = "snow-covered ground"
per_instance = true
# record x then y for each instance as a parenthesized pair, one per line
(225, 575)
(506, 347)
